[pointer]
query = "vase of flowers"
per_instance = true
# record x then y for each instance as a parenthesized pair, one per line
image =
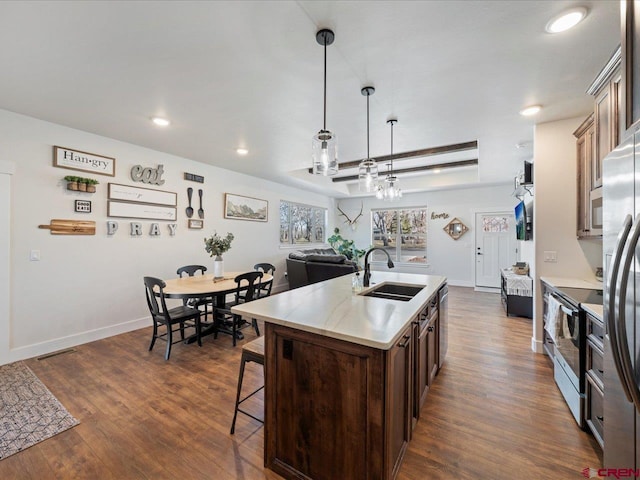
(215, 246)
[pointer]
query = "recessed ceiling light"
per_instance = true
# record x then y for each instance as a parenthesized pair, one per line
(531, 110)
(161, 122)
(242, 151)
(566, 20)
(437, 170)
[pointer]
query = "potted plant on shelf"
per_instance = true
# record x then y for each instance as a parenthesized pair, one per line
(91, 185)
(72, 182)
(215, 246)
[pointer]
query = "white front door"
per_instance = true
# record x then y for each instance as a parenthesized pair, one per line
(495, 246)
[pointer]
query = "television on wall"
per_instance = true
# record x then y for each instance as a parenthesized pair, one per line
(521, 221)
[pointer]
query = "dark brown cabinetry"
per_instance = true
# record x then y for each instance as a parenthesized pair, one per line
(595, 378)
(585, 147)
(335, 409)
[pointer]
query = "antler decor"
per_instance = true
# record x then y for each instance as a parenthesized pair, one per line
(348, 221)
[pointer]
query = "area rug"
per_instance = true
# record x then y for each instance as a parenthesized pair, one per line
(29, 413)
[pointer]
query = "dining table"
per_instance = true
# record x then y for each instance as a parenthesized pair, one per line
(206, 286)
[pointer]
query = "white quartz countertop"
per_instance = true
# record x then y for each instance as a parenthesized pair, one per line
(594, 309)
(330, 308)
(569, 282)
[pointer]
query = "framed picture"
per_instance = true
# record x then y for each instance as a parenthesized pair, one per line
(128, 193)
(140, 210)
(196, 224)
(245, 208)
(83, 161)
(83, 206)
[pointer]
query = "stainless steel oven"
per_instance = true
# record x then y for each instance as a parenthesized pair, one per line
(569, 357)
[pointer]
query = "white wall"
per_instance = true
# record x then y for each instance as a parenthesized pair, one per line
(555, 171)
(454, 259)
(90, 287)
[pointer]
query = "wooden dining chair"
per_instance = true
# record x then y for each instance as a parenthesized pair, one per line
(264, 289)
(191, 270)
(246, 291)
(173, 320)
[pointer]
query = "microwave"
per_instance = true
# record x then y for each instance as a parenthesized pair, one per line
(595, 211)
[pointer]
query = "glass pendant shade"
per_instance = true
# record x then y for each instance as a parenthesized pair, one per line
(391, 190)
(324, 153)
(367, 175)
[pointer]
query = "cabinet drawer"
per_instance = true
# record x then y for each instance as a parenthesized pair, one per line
(595, 410)
(595, 362)
(595, 331)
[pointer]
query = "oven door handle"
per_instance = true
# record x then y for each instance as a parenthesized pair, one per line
(628, 254)
(610, 302)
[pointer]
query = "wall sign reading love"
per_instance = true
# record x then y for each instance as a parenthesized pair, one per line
(148, 175)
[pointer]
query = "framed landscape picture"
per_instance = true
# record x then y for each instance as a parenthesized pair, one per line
(245, 208)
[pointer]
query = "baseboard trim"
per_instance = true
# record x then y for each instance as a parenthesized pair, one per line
(536, 345)
(487, 289)
(43, 348)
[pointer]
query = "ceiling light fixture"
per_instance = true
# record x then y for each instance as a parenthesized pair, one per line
(242, 151)
(531, 110)
(324, 149)
(161, 122)
(368, 168)
(391, 191)
(566, 20)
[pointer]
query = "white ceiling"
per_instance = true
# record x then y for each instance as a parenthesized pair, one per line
(249, 74)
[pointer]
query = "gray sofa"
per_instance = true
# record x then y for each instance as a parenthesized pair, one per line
(305, 267)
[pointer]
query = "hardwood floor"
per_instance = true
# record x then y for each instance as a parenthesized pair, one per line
(494, 411)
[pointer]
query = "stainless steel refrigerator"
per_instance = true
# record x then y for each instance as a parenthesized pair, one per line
(621, 256)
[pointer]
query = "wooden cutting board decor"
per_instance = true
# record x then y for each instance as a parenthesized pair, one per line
(71, 227)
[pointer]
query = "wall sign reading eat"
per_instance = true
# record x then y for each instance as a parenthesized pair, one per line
(147, 174)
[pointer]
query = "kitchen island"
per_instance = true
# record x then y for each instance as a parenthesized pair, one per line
(346, 374)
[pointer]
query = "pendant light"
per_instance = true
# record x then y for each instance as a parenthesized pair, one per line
(368, 168)
(391, 190)
(324, 150)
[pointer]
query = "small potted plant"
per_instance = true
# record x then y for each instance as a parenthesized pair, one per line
(215, 246)
(82, 184)
(72, 182)
(91, 185)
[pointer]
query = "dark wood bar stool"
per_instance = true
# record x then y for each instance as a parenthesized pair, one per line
(252, 351)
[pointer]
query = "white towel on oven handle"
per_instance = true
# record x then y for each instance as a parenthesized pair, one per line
(556, 324)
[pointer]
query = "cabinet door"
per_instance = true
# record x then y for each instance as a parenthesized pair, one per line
(398, 413)
(604, 136)
(432, 349)
(584, 144)
(421, 369)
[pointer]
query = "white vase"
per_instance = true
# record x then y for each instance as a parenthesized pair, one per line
(218, 267)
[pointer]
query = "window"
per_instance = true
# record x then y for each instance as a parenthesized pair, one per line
(402, 232)
(300, 224)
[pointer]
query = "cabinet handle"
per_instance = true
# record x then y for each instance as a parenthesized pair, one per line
(430, 328)
(601, 372)
(406, 341)
(601, 418)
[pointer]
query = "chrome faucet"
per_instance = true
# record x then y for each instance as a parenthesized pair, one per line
(367, 267)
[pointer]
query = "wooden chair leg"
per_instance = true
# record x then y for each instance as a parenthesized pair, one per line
(155, 334)
(240, 377)
(181, 330)
(169, 342)
(198, 330)
(254, 322)
(234, 326)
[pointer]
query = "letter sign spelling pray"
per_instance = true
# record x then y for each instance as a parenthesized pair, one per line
(147, 175)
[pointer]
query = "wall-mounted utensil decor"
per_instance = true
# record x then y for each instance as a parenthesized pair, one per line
(129, 193)
(200, 210)
(189, 210)
(71, 227)
(83, 161)
(149, 175)
(245, 208)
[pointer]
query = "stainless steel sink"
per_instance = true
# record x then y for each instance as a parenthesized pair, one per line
(394, 291)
